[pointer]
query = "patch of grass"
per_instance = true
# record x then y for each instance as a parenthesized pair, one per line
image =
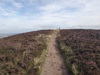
(68, 54)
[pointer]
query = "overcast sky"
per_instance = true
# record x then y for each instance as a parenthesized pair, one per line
(28, 15)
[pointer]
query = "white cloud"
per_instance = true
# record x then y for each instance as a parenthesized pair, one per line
(16, 4)
(7, 12)
(53, 14)
(51, 8)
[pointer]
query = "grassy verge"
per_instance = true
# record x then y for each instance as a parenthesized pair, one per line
(68, 54)
(39, 61)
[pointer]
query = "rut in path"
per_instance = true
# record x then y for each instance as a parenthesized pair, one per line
(54, 63)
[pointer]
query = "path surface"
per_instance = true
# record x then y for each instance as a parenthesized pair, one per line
(54, 64)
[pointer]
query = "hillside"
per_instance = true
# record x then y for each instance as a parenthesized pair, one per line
(22, 54)
(81, 51)
(51, 52)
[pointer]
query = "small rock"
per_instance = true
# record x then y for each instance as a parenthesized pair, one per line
(59, 69)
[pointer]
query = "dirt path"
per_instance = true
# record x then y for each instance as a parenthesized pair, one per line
(54, 64)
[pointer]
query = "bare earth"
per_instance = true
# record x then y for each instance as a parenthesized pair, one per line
(54, 63)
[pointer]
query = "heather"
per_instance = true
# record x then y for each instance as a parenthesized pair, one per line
(81, 51)
(22, 54)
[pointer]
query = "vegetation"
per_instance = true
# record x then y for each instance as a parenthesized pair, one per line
(23, 54)
(81, 51)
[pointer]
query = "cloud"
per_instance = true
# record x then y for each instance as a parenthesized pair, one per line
(35, 14)
(17, 4)
(50, 8)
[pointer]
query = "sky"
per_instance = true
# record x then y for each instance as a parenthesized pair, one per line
(28, 15)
